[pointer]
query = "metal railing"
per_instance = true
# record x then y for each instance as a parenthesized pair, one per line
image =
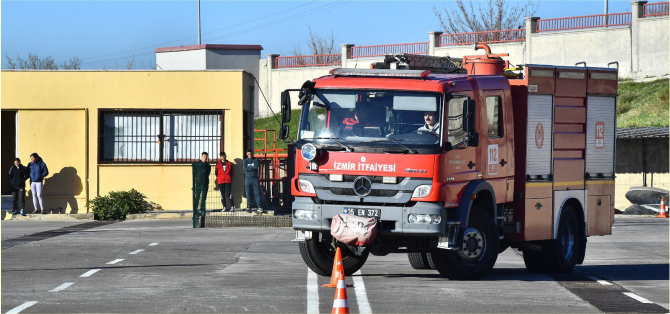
(510, 35)
(581, 22)
(309, 61)
(381, 50)
(656, 9)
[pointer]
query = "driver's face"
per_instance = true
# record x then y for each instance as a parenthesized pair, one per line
(430, 117)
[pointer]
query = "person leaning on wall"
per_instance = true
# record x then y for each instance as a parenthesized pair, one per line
(38, 171)
(18, 175)
(251, 182)
(224, 176)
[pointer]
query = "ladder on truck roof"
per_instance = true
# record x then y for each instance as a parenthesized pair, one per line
(406, 61)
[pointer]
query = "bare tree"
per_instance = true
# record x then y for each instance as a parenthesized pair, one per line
(493, 15)
(131, 63)
(35, 62)
(318, 45)
(73, 64)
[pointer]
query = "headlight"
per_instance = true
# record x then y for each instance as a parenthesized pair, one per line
(424, 219)
(308, 152)
(422, 191)
(305, 214)
(306, 186)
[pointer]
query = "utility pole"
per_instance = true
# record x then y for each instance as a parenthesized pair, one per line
(606, 17)
(199, 20)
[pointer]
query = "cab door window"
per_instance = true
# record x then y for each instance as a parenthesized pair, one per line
(494, 116)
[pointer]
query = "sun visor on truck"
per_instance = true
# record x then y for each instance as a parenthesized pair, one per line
(336, 100)
(415, 103)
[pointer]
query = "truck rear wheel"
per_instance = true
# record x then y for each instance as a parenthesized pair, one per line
(560, 254)
(420, 260)
(478, 254)
(319, 255)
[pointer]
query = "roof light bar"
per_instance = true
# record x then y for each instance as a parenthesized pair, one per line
(380, 73)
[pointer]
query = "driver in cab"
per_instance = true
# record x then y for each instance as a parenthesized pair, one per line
(432, 125)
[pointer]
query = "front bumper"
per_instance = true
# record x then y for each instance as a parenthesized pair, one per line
(393, 220)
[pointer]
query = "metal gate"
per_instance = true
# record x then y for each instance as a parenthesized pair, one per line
(275, 173)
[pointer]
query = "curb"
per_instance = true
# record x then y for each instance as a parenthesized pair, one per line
(48, 217)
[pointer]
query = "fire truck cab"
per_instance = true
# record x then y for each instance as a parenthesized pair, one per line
(456, 167)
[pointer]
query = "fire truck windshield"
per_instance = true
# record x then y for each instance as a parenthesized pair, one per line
(373, 118)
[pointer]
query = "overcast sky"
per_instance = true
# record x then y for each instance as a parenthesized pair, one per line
(108, 33)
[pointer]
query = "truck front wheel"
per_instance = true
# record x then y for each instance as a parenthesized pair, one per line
(319, 254)
(479, 250)
(420, 260)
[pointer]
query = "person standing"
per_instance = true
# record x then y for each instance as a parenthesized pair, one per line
(201, 172)
(251, 182)
(18, 175)
(38, 171)
(224, 176)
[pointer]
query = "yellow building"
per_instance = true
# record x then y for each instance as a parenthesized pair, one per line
(102, 131)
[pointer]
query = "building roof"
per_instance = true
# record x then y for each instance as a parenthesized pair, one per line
(209, 47)
(648, 132)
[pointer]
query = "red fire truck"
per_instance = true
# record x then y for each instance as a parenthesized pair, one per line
(456, 166)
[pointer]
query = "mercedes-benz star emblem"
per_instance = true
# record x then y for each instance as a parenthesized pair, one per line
(362, 186)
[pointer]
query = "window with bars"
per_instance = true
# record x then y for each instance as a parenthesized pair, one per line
(159, 136)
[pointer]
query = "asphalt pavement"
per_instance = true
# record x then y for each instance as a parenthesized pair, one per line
(165, 266)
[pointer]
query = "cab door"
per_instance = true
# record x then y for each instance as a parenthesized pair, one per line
(494, 143)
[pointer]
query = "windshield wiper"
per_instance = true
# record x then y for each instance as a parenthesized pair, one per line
(335, 139)
(410, 150)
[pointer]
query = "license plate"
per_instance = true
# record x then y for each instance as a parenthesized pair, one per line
(364, 212)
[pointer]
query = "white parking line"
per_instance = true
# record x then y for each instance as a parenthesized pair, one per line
(637, 297)
(361, 295)
(62, 287)
(90, 272)
(312, 293)
(21, 307)
(136, 251)
(602, 282)
(115, 261)
(153, 244)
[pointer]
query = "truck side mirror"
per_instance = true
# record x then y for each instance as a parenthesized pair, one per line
(285, 115)
(285, 107)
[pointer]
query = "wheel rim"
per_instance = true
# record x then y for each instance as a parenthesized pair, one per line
(474, 245)
(568, 240)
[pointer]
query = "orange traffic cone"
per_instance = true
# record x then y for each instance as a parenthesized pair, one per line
(341, 303)
(337, 269)
(663, 212)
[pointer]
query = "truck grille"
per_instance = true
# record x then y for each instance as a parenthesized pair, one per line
(374, 179)
(377, 192)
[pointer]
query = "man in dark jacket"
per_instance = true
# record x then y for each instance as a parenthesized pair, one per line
(251, 181)
(38, 171)
(18, 175)
(201, 170)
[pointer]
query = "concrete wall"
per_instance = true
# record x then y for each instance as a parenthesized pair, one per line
(654, 45)
(58, 118)
(181, 60)
(596, 47)
(642, 50)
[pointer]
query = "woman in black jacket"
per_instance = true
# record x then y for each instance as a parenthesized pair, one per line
(18, 175)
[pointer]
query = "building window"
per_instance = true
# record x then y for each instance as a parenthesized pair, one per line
(494, 116)
(159, 136)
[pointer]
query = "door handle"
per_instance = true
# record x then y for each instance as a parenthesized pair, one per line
(503, 162)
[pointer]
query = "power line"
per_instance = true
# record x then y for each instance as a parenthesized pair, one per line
(191, 37)
(318, 9)
(328, 6)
